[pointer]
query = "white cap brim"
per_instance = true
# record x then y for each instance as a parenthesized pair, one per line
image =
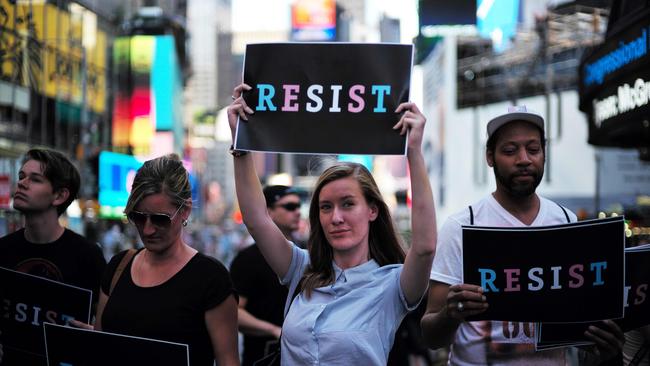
(498, 122)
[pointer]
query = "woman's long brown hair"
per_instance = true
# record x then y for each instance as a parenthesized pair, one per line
(385, 247)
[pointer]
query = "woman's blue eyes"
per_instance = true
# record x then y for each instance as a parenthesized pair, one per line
(347, 204)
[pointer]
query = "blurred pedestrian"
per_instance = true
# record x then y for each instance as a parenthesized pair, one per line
(47, 184)
(261, 296)
(112, 241)
(168, 290)
(353, 284)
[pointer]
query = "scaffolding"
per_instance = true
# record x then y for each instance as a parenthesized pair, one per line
(540, 61)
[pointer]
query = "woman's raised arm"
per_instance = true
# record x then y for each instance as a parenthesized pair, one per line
(268, 237)
(417, 266)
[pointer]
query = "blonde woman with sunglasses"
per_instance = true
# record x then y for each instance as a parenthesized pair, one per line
(168, 290)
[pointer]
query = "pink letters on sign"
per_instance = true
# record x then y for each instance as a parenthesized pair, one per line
(357, 98)
(510, 279)
(574, 271)
(290, 94)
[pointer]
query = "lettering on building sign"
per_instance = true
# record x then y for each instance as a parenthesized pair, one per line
(624, 54)
(625, 100)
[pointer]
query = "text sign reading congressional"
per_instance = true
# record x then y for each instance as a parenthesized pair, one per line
(564, 273)
(325, 98)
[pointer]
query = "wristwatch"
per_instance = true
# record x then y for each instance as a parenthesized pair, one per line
(237, 153)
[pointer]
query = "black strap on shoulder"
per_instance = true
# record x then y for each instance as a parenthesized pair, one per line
(565, 213)
(120, 268)
(296, 292)
(272, 355)
(471, 215)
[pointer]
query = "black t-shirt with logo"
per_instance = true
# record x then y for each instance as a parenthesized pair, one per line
(70, 259)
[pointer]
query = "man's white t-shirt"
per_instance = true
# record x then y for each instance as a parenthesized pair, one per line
(492, 342)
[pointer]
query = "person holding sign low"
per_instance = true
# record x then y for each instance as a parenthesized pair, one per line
(169, 291)
(516, 151)
(354, 285)
(48, 182)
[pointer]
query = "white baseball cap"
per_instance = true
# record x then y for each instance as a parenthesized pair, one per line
(515, 113)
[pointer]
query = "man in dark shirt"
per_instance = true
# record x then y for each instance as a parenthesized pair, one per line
(47, 184)
(261, 296)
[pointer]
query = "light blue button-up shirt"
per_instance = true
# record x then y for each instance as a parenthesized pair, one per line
(350, 322)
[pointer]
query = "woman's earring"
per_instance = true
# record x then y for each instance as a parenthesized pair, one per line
(184, 222)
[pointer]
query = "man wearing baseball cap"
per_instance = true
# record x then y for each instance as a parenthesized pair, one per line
(516, 152)
(261, 296)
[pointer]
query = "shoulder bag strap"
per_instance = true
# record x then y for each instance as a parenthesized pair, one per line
(120, 268)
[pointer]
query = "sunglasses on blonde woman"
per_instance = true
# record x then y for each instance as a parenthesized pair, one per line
(158, 219)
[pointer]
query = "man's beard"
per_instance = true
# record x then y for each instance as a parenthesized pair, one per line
(518, 190)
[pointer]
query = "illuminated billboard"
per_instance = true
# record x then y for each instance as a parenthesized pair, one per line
(498, 20)
(313, 20)
(614, 86)
(148, 98)
(365, 160)
(116, 173)
(42, 46)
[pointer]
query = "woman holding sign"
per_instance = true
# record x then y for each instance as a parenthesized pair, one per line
(355, 284)
(168, 290)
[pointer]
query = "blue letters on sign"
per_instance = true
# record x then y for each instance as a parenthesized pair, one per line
(267, 91)
(380, 90)
(485, 281)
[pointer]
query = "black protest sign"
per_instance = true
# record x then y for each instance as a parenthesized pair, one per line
(637, 306)
(563, 273)
(80, 347)
(553, 335)
(28, 302)
(637, 278)
(325, 98)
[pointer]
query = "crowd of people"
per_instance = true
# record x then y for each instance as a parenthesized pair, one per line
(338, 299)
